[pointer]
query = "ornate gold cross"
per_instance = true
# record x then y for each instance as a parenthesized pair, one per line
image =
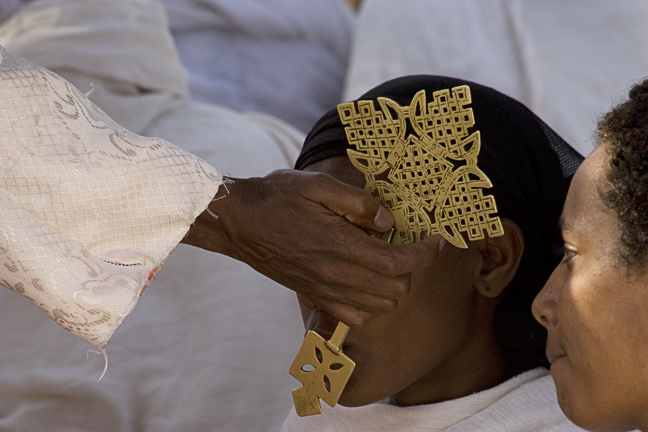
(420, 162)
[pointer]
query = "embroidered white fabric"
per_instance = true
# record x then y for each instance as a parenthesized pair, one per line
(208, 324)
(88, 210)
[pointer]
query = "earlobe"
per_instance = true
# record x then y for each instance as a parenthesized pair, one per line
(500, 260)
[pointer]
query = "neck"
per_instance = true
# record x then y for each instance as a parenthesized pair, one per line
(469, 371)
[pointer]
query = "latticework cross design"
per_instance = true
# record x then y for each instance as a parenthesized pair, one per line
(420, 161)
(322, 372)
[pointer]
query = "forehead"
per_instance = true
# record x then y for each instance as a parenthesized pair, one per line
(339, 167)
(584, 212)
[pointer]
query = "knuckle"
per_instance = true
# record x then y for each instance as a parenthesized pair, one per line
(330, 292)
(401, 287)
(389, 264)
(317, 180)
(387, 306)
(355, 321)
(394, 288)
(365, 203)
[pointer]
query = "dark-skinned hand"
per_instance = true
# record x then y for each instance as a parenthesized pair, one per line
(308, 232)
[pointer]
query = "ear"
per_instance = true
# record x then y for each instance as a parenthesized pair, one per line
(500, 260)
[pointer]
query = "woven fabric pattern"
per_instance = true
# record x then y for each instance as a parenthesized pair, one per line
(526, 402)
(88, 210)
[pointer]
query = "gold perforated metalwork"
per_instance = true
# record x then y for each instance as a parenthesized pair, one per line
(420, 161)
(322, 369)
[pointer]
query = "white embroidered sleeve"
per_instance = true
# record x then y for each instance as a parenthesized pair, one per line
(88, 210)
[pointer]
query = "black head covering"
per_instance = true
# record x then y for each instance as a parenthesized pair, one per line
(530, 167)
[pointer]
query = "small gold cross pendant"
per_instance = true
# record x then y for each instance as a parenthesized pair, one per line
(323, 370)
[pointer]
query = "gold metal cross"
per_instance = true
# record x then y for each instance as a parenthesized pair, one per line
(420, 162)
(323, 369)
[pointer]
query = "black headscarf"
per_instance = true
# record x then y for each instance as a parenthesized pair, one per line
(530, 167)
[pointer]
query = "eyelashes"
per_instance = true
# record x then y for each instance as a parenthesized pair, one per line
(566, 253)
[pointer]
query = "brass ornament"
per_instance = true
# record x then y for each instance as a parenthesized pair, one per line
(420, 161)
(323, 370)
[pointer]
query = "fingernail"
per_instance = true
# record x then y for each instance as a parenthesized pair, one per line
(383, 219)
(442, 243)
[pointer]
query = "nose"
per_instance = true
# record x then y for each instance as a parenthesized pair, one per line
(544, 305)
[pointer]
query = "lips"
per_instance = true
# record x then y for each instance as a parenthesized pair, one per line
(554, 351)
(553, 358)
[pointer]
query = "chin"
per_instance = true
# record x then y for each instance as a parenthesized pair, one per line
(576, 409)
(589, 423)
(564, 397)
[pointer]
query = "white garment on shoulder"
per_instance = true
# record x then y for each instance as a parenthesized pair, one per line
(568, 61)
(89, 210)
(525, 403)
(9, 7)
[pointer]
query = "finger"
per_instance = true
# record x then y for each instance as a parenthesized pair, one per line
(395, 260)
(365, 288)
(372, 303)
(350, 315)
(379, 293)
(307, 302)
(416, 256)
(354, 204)
(362, 299)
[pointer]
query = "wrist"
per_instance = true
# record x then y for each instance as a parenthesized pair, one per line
(214, 229)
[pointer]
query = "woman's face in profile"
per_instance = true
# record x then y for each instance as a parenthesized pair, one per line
(596, 314)
(437, 345)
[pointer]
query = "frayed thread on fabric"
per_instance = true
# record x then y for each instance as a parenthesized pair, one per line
(226, 181)
(89, 92)
(101, 352)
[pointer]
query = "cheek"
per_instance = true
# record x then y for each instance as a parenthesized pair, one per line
(584, 326)
(379, 351)
(581, 330)
(394, 351)
(602, 325)
(382, 351)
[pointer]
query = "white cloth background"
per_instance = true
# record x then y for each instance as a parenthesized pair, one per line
(525, 403)
(210, 343)
(287, 58)
(568, 61)
(9, 7)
